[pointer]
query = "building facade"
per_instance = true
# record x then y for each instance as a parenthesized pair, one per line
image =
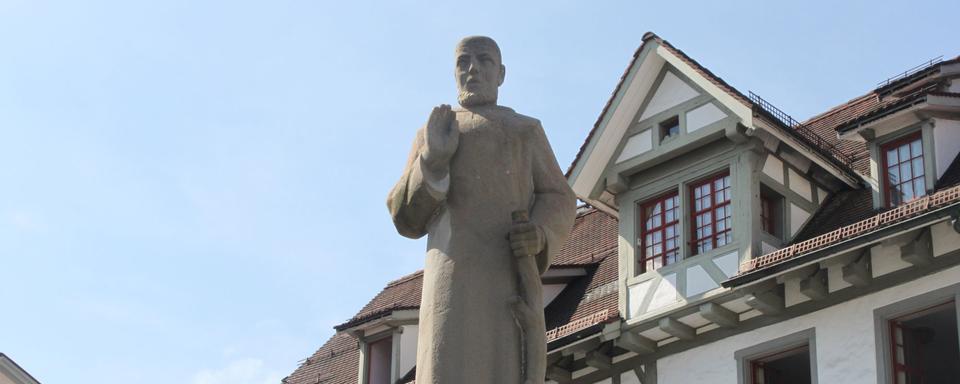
(725, 242)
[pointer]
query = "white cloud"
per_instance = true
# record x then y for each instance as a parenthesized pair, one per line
(243, 371)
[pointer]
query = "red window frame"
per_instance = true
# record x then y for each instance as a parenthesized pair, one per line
(903, 159)
(659, 240)
(767, 218)
(378, 351)
(903, 373)
(758, 374)
(710, 199)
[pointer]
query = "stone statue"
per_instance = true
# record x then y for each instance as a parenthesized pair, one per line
(484, 185)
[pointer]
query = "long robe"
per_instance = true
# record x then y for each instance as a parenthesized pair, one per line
(467, 332)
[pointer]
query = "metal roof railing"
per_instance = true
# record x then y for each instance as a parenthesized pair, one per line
(910, 72)
(800, 131)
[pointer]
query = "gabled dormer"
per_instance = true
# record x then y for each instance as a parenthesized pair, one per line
(911, 126)
(702, 178)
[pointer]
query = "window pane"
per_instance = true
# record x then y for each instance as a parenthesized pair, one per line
(905, 172)
(915, 149)
(904, 152)
(892, 157)
(918, 166)
(919, 187)
(894, 175)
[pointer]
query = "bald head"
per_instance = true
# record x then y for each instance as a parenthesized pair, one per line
(479, 71)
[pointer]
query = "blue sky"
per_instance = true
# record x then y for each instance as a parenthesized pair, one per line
(193, 191)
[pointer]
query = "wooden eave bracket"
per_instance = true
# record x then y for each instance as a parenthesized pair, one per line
(719, 315)
(918, 251)
(767, 302)
(676, 328)
(635, 343)
(815, 286)
(858, 272)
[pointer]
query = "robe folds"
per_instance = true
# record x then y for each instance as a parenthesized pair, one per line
(503, 163)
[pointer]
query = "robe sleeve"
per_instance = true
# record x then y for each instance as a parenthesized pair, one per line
(417, 196)
(554, 203)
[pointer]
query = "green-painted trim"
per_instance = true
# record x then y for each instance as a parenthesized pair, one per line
(925, 127)
(746, 355)
(648, 49)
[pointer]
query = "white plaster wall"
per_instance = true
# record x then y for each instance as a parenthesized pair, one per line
(702, 116)
(798, 216)
(636, 145)
(698, 281)
(845, 346)
(408, 348)
(666, 293)
(800, 185)
(773, 167)
(729, 263)
(946, 142)
(629, 377)
(954, 86)
(635, 297)
(672, 91)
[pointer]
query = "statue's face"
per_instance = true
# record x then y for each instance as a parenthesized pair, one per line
(479, 72)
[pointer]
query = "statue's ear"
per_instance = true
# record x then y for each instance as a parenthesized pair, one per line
(503, 74)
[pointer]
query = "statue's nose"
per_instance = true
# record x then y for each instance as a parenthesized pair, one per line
(474, 67)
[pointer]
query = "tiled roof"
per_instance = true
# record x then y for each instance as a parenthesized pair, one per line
(403, 293)
(334, 363)
(917, 207)
(592, 245)
(849, 208)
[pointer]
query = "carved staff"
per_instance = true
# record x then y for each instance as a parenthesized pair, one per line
(532, 333)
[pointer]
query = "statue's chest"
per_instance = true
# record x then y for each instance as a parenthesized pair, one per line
(487, 151)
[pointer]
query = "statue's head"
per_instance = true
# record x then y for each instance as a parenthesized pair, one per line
(479, 71)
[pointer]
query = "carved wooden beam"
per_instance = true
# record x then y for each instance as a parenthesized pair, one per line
(815, 286)
(678, 329)
(558, 374)
(858, 272)
(918, 252)
(719, 315)
(767, 302)
(636, 343)
(599, 360)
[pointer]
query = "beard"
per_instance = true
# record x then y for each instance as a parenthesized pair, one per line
(473, 99)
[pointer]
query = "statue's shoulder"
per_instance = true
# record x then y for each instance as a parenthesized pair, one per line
(514, 119)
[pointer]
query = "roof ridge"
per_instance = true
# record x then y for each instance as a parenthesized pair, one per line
(405, 279)
(837, 108)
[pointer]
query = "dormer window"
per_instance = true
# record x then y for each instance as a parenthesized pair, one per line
(659, 232)
(379, 359)
(771, 212)
(669, 128)
(903, 178)
(712, 222)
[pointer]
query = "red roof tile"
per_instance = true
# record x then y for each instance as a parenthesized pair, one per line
(334, 363)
